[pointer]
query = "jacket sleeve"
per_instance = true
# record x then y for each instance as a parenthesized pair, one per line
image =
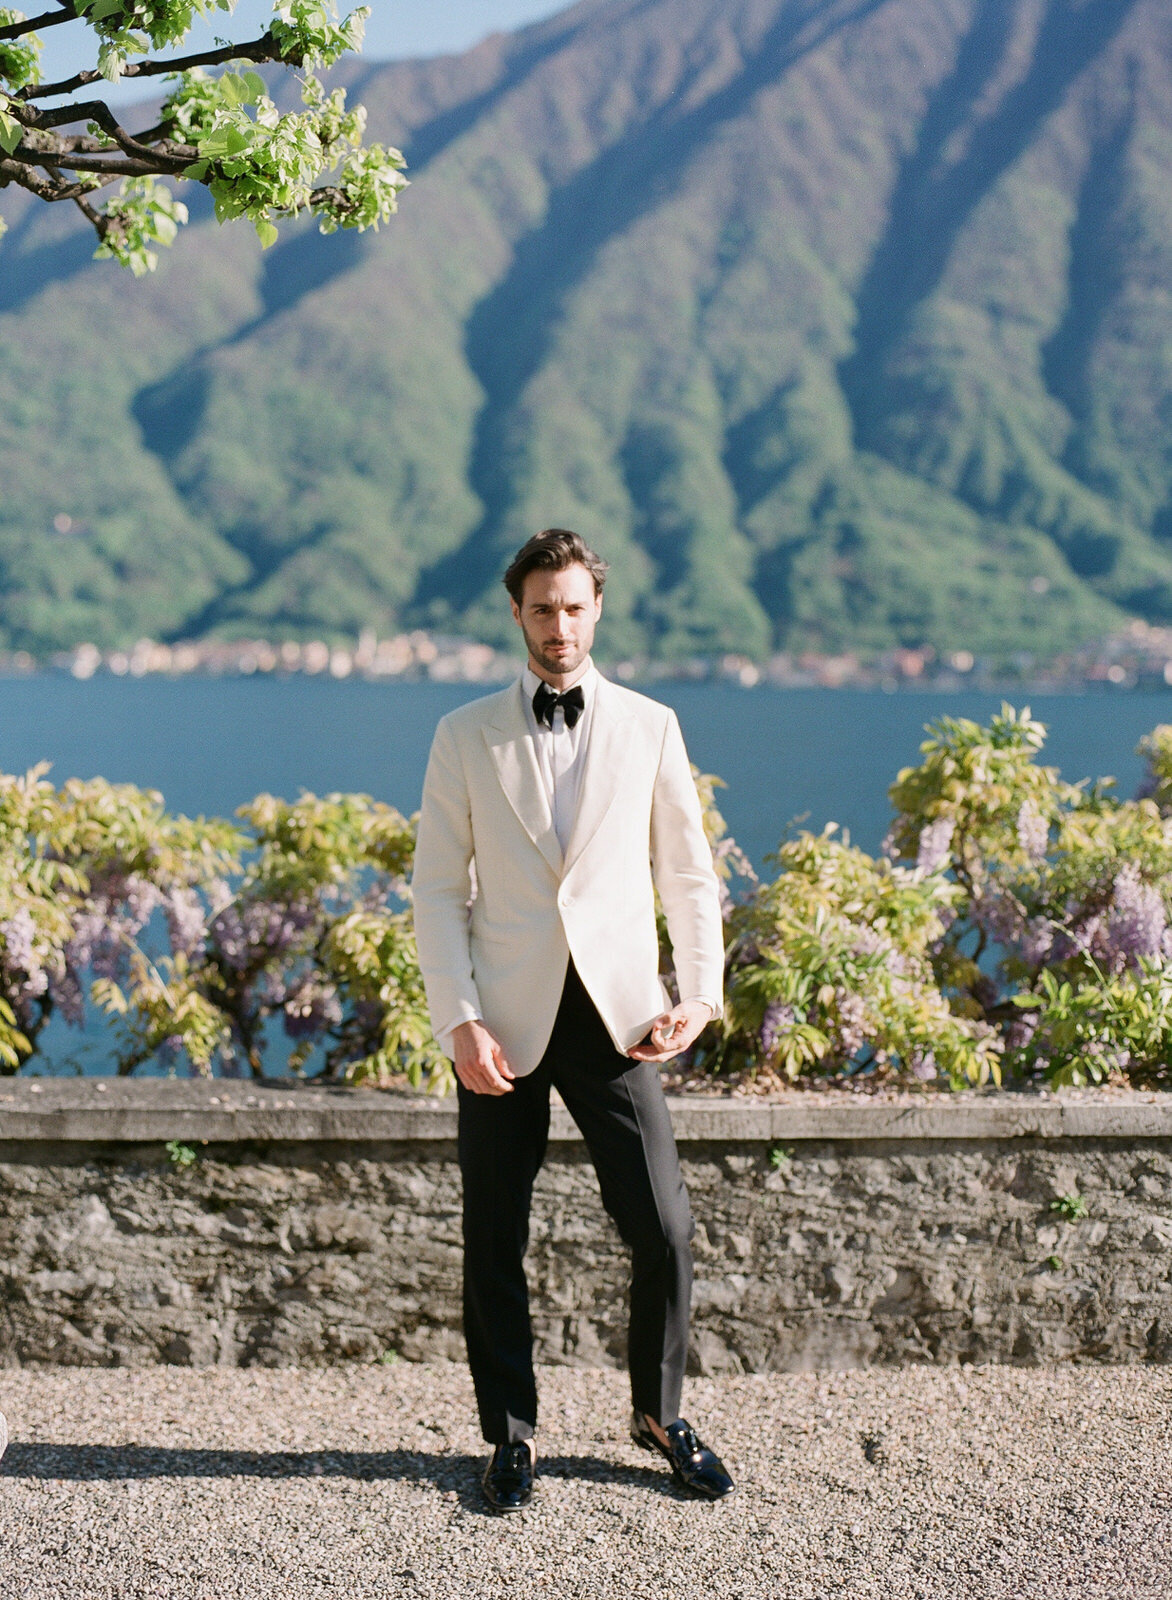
(681, 864)
(441, 886)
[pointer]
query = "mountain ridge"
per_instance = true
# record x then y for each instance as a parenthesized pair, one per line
(832, 322)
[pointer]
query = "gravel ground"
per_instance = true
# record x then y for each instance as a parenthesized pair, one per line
(919, 1482)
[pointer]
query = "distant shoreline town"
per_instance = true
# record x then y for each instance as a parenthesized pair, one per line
(1140, 656)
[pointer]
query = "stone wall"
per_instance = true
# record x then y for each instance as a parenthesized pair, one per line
(319, 1225)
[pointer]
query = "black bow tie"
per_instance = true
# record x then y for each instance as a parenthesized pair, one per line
(546, 702)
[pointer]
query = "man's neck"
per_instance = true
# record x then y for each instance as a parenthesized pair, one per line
(561, 681)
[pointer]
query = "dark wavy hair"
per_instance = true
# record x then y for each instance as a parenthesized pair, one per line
(553, 550)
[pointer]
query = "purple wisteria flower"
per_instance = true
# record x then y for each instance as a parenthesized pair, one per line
(25, 977)
(1021, 1030)
(66, 993)
(244, 931)
(1107, 1054)
(171, 1050)
(1137, 921)
(18, 934)
(139, 896)
(312, 1010)
(98, 942)
(1000, 913)
(185, 920)
(852, 1021)
(1133, 924)
(1036, 941)
(923, 1065)
(1033, 831)
(777, 1020)
(867, 941)
(933, 851)
(219, 895)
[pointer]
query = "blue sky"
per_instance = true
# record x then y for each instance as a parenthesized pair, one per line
(396, 29)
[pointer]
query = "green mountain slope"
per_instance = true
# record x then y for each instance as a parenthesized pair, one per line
(831, 322)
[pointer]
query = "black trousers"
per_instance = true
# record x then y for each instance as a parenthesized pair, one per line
(618, 1104)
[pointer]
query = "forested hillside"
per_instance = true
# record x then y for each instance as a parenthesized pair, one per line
(828, 321)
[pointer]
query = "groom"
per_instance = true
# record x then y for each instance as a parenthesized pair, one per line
(551, 812)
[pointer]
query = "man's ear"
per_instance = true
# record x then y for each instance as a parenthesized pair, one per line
(516, 611)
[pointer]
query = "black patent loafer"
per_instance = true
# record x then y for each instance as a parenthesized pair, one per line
(508, 1478)
(692, 1463)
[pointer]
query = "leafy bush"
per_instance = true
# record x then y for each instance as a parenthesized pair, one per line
(1062, 938)
(1014, 926)
(298, 917)
(829, 969)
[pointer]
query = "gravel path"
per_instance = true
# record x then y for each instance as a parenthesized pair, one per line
(922, 1483)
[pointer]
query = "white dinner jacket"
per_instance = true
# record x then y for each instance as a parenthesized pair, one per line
(499, 910)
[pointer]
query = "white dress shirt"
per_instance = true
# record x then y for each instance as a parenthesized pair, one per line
(561, 751)
(561, 754)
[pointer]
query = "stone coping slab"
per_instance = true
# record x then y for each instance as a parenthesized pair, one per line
(121, 1111)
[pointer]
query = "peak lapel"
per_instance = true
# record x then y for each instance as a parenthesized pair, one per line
(510, 744)
(602, 772)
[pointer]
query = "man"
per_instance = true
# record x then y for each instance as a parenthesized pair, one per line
(548, 811)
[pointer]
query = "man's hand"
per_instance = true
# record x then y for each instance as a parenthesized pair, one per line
(480, 1062)
(673, 1032)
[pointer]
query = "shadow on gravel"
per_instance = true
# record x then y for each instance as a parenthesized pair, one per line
(79, 1462)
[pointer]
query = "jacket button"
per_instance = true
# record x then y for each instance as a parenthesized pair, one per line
(565, 899)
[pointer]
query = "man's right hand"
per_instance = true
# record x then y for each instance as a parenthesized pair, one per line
(479, 1060)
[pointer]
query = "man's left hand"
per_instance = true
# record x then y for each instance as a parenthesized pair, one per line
(673, 1032)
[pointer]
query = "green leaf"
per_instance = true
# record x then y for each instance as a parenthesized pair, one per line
(265, 232)
(110, 62)
(10, 132)
(235, 90)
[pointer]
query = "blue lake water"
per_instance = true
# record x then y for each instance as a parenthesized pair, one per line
(212, 743)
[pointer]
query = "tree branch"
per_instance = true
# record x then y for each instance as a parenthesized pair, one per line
(48, 19)
(262, 49)
(89, 213)
(328, 192)
(61, 116)
(51, 162)
(164, 156)
(26, 177)
(121, 165)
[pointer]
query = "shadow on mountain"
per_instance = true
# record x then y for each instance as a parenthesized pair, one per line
(28, 266)
(758, 449)
(511, 331)
(170, 413)
(934, 197)
(1096, 266)
(26, 272)
(433, 137)
(306, 261)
